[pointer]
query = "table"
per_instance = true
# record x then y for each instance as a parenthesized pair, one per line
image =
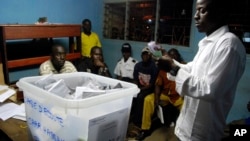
(16, 129)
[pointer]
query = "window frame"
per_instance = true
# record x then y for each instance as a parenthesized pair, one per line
(157, 18)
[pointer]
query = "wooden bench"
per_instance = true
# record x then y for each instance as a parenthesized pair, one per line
(38, 60)
(32, 31)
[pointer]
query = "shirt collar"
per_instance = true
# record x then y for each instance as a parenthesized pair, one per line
(217, 33)
(130, 58)
(213, 37)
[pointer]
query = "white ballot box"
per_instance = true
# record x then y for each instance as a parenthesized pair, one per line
(98, 118)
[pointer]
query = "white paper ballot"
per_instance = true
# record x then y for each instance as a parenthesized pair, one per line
(6, 94)
(8, 110)
(85, 92)
(160, 114)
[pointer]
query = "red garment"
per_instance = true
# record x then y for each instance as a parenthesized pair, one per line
(168, 87)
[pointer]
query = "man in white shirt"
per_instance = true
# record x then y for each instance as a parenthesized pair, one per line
(208, 83)
(125, 66)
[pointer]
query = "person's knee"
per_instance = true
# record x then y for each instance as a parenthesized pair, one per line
(149, 98)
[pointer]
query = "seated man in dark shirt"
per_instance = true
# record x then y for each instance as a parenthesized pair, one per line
(145, 73)
(95, 64)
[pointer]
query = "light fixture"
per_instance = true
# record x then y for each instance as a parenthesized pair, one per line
(246, 37)
(149, 20)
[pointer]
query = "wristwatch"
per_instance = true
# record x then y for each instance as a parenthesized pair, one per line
(102, 70)
(174, 70)
(105, 69)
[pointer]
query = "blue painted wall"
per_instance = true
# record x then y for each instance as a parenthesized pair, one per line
(56, 11)
(73, 11)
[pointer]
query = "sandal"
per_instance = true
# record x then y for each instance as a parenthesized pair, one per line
(133, 131)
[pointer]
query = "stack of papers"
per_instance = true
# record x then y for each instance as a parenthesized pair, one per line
(5, 93)
(75, 88)
(20, 114)
(10, 109)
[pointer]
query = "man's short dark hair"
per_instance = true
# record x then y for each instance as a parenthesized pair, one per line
(94, 48)
(86, 20)
(54, 48)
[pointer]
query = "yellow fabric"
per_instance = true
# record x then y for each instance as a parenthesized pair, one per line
(88, 42)
(149, 107)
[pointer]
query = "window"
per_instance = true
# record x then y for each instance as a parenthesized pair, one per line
(165, 21)
(114, 22)
(239, 21)
(175, 21)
